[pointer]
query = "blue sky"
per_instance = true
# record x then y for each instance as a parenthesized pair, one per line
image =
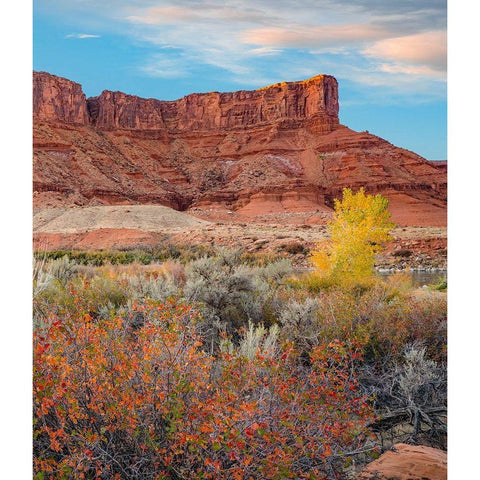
(389, 57)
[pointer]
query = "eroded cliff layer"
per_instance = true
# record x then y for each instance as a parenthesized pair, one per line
(279, 150)
(58, 99)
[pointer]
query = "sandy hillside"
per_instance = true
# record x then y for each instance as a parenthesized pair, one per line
(147, 218)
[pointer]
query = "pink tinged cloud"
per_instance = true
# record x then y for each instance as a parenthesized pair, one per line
(314, 36)
(207, 14)
(163, 16)
(428, 49)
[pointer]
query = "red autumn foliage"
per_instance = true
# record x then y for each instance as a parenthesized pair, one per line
(121, 399)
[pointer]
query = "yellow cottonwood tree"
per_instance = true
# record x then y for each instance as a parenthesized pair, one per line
(360, 224)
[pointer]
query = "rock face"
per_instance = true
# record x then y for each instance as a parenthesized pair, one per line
(58, 99)
(408, 462)
(315, 99)
(279, 150)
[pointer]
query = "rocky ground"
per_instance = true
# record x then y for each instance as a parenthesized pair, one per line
(408, 462)
(120, 227)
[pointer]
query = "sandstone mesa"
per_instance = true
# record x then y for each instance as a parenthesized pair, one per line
(268, 153)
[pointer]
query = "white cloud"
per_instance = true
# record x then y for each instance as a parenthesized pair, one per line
(162, 67)
(353, 39)
(387, 43)
(163, 16)
(427, 48)
(421, 70)
(81, 35)
(265, 51)
(316, 36)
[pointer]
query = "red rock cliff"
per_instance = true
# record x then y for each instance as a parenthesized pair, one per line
(58, 99)
(279, 149)
(316, 99)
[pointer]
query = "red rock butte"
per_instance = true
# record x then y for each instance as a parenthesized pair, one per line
(278, 151)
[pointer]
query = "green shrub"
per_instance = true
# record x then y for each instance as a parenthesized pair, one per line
(299, 321)
(158, 289)
(146, 255)
(90, 296)
(225, 289)
(441, 286)
(410, 393)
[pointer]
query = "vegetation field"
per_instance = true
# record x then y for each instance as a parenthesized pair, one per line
(219, 364)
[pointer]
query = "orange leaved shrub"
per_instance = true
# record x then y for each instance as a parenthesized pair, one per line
(139, 397)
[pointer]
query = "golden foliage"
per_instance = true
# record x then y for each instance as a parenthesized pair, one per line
(360, 225)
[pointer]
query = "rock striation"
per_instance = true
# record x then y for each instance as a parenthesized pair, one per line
(316, 99)
(58, 99)
(278, 150)
(408, 462)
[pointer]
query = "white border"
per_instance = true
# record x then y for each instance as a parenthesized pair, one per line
(464, 236)
(16, 243)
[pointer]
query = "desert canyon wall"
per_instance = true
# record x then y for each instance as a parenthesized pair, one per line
(278, 150)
